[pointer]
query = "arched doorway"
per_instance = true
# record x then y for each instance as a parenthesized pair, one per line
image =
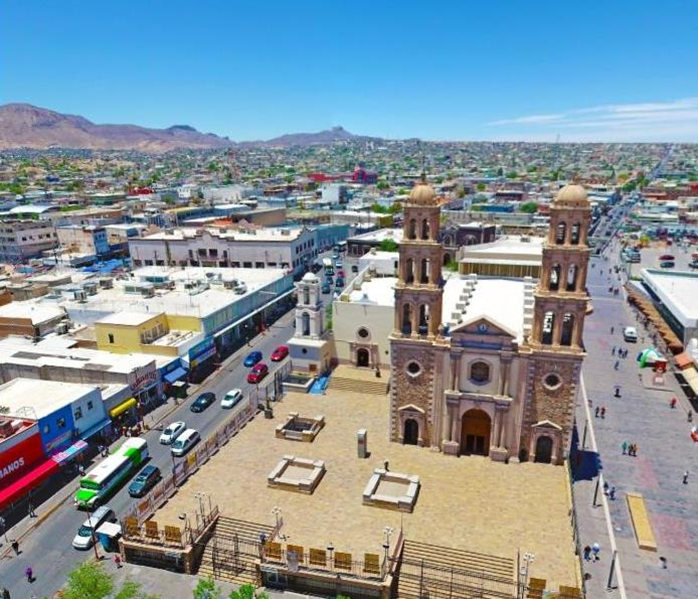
(362, 357)
(544, 449)
(410, 435)
(475, 433)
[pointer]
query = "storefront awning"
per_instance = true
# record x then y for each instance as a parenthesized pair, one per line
(93, 430)
(28, 481)
(691, 376)
(175, 375)
(69, 452)
(121, 408)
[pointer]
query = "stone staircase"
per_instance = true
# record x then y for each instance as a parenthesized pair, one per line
(232, 550)
(358, 380)
(434, 571)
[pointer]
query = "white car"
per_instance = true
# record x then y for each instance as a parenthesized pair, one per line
(630, 334)
(231, 398)
(83, 540)
(172, 432)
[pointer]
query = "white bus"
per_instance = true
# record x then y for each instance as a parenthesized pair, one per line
(110, 472)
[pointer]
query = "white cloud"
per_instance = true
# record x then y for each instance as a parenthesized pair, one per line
(647, 121)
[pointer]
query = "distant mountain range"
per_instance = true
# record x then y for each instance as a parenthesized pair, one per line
(27, 126)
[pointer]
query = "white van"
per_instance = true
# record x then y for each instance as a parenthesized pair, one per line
(83, 540)
(185, 442)
(630, 334)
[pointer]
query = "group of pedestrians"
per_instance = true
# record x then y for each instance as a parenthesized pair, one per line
(600, 412)
(629, 448)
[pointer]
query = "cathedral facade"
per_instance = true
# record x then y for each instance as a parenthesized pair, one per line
(497, 375)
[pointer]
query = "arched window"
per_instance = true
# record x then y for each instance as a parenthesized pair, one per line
(423, 319)
(574, 233)
(409, 277)
(412, 229)
(306, 295)
(480, 372)
(554, 283)
(447, 258)
(424, 274)
(406, 324)
(306, 324)
(567, 329)
(572, 277)
(546, 337)
(560, 233)
(425, 229)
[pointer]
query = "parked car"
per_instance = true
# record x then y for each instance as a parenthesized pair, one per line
(258, 372)
(335, 256)
(667, 264)
(144, 481)
(667, 257)
(338, 265)
(202, 402)
(231, 398)
(185, 442)
(693, 264)
(340, 283)
(252, 358)
(83, 539)
(172, 432)
(355, 268)
(630, 334)
(279, 353)
(340, 273)
(326, 288)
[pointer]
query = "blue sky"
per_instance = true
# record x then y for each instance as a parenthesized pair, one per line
(612, 70)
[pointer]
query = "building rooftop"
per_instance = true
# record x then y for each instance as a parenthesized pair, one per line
(510, 249)
(266, 234)
(37, 398)
(126, 318)
(37, 313)
(379, 235)
(677, 291)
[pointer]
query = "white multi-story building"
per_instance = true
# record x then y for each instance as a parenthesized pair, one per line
(287, 248)
(21, 240)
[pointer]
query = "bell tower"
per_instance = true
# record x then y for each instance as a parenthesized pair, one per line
(418, 310)
(556, 342)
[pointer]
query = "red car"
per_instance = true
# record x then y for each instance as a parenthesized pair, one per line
(258, 372)
(279, 353)
(666, 257)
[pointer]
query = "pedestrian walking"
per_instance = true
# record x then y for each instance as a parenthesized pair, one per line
(689, 416)
(5, 593)
(605, 488)
(634, 449)
(596, 412)
(31, 510)
(15, 546)
(613, 351)
(612, 494)
(612, 329)
(672, 403)
(29, 573)
(117, 560)
(685, 477)
(587, 553)
(386, 465)
(603, 411)
(616, 365)
(596, 549)
(624, 447)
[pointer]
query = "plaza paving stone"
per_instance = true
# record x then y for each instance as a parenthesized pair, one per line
(641, 415)
(468, 503)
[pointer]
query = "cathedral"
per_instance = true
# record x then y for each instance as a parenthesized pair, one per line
(485, 366)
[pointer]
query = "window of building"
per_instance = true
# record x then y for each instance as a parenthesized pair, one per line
(364, 333)
(552, 381)
(236, 265)
(60, 422)
(213, 253)
(90, 405)
(148, 262)
(259, 264)
(111, 338)
(480, 372)
(201, 251)
(247, 264)
(413, 368)
(78, 413)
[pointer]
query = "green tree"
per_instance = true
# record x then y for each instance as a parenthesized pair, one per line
(207, 589)
(90, 580)
(529, 207)
(382, 185)
(481, 187)
(247, 591)
(388, 245)
(395, 208)
(376, 207)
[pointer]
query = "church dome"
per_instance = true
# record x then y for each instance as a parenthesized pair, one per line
(309, 277)
(572, 196)
(423, 194)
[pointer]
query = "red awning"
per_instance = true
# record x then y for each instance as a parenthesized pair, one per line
(30, 480)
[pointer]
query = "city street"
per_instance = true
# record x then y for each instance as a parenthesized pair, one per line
(48, 549)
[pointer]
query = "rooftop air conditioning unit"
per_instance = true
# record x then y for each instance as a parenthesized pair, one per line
(230, 284)
(80, 295)
(148, 292)
(106, 283)
(168, 285)
(62, 328)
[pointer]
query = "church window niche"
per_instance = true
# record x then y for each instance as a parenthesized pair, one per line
(424, 275)
(412, 229)
(306, 324)
(575, 233)
(480, 372)
(560, 233)
(423, 319)
(554, 283)
(413, 368)
(546, 337)
(552, 381)
(425, 229)
(409, 277)
(306, 296)
(406, 325)
(567, 329)
(363, 333)
(572, 272)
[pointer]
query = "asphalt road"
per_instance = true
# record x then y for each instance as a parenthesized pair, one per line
(48, 549)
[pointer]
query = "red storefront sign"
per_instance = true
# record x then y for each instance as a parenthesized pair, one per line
(17, 460)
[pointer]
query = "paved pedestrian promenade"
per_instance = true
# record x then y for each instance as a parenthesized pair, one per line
(641, 415)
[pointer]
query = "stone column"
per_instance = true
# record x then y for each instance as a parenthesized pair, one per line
(557, 327)
(457, 370)
(454, 365)
(507, 376)
(497, 426)
(578, 330)
(454, 424)
(415, 320)
(501, 441)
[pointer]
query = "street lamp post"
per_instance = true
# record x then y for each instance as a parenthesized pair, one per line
(92, 531)
(276, 511)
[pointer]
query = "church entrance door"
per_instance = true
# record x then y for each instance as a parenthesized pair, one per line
(411, 433)
(475, 433)
(362, 358)
(544, 449)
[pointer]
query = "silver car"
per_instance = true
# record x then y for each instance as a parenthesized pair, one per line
(171, 433)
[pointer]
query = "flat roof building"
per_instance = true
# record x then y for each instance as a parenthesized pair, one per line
(675, 295)
(509, 256)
